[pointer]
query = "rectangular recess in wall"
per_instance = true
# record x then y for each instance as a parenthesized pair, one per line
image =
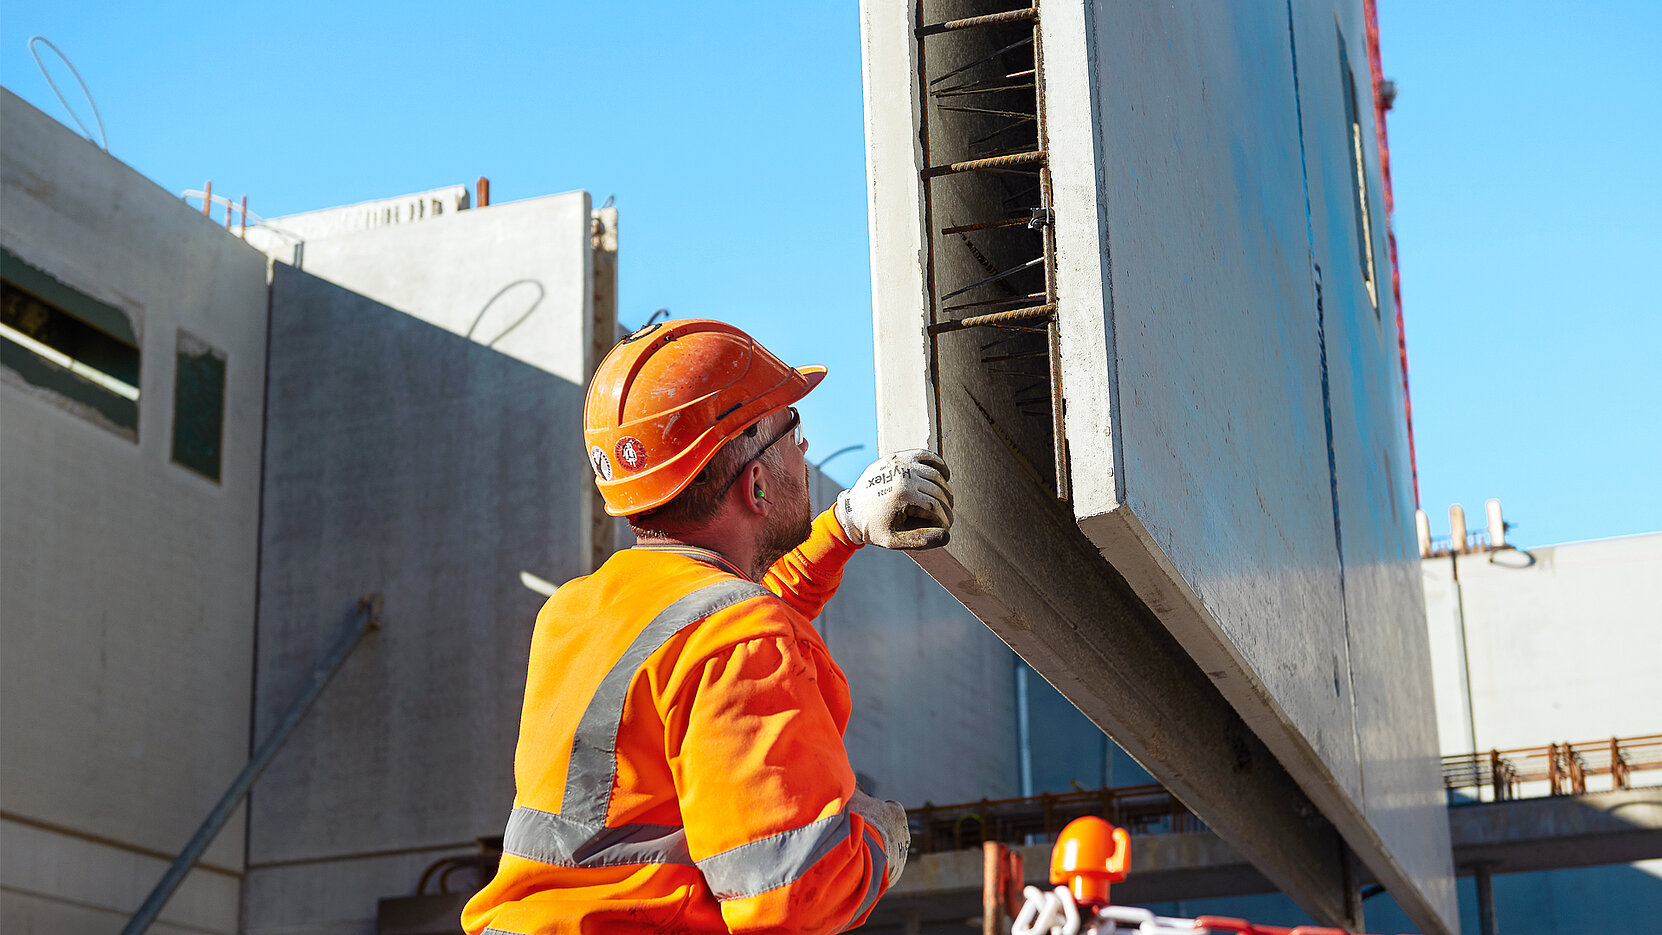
(1358, 176)
(79, 350)
(198, 406)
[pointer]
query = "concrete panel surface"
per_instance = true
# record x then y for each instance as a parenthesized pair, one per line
(1401, 795)
(307, 226)
(338, 897)
(514, 276)
(128, 604)
(1258, 439)
(1551, 635)
(933, 691)
(1220, 418)
(407, 460)
(75, 883)
(32, 914)
(1223, 429)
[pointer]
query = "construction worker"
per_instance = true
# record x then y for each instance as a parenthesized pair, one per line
(680, 763)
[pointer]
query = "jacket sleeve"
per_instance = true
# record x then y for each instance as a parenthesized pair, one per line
(809, 574)
(764, 782)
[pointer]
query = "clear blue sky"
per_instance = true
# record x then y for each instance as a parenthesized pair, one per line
(1523, 144)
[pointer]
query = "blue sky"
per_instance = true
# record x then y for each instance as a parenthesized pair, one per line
(1522, 145)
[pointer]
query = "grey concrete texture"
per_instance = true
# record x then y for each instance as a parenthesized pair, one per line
(1238, 451)
(278, 235)
(933, 691)
(63, 884)
(1232, 357)
(515, 276)
(405, 460)
(1555, 832)
(128, 602)
(1557, 638)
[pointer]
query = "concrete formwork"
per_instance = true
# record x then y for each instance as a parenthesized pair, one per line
(129, 586)
(406, 460)
(1233, 418)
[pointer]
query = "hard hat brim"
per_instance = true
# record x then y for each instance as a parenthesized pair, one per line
(813, 374)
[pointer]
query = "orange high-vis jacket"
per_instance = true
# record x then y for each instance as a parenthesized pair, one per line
(681, 763)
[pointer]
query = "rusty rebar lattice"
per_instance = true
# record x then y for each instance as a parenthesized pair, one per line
(983, 132)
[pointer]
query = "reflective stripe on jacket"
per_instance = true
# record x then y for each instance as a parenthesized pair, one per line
(680, 762)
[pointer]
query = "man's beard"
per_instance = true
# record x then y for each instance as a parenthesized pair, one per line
(787, 527)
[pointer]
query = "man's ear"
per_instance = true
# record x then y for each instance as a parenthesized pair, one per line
(755, 484)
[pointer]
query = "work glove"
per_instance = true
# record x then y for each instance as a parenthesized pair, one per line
(889, 818)
(902, 501)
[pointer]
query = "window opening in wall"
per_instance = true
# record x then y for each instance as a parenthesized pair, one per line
(56, 339)
(198, 406)
(1358, 178)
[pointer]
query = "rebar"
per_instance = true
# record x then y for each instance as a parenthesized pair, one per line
(980, 61)
(970, 22)
(997, 162)
(1003, 357)
(979, 87)
(1022, 300)
(1004, 274)
(988, 110)
(997, 318)
(1022, 122)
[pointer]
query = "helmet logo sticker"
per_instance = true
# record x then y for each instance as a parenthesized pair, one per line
(602, 464)
(631, 453)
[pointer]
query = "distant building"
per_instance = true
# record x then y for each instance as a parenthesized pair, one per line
(1551, 645)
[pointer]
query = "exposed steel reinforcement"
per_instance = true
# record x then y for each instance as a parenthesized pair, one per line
(983, 135)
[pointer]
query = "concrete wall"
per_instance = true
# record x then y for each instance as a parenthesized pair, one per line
(534, 279)
(1253, 408)
(513, 276)
(1234, 420)
(1557, 639)
(934, 691)
(1554, 646)
(407, 460)
(128, 601)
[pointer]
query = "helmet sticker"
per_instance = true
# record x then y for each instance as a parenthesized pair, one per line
(631, 453)
(602, 464)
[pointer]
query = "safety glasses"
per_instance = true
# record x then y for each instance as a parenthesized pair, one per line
(793, 428)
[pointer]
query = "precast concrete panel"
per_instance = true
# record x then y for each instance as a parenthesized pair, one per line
(405, 460)
(128, 603)
(933, 691)
(1390, 679)
(534, 279)
(1558, 640)
(1233, 415)
(1220, 431)
(515, 276)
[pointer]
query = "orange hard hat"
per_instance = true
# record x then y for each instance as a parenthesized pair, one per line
(666, 399)
(1090, 853)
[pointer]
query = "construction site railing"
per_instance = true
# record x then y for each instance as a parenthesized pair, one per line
(1555, 769)
(1145, 809)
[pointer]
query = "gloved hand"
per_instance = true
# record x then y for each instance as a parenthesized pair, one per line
(902, 501)
(889, 818)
